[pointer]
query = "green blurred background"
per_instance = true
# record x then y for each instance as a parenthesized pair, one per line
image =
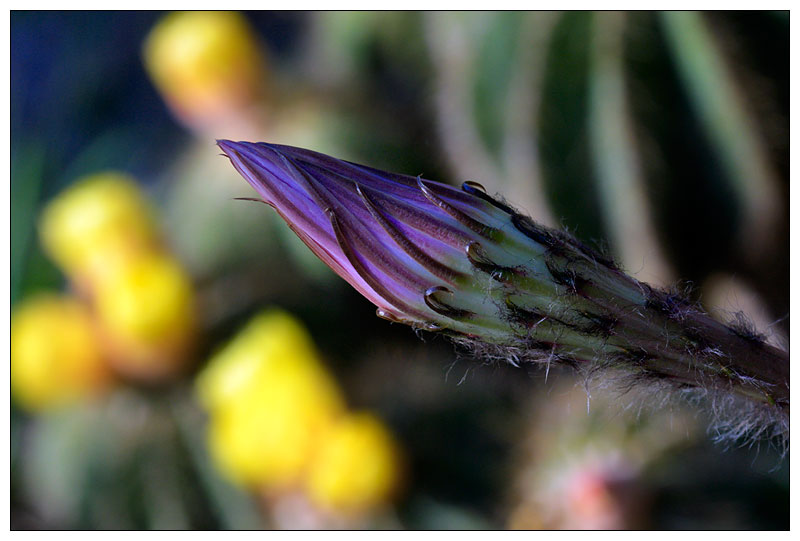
(659, 137)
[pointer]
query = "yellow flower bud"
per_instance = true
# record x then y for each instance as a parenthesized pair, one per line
(272, 342)
(97, 224)
(146, 310)
(206, 64)
(55, 355)
(266, 436)
(270, 399)
(356, 466)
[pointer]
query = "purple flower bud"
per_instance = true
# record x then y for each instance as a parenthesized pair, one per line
(462, 262)
(423, 252)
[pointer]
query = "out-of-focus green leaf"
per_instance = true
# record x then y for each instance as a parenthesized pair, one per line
(563, 129)
(58, 455)
(621, 186)
(28, 268)
(345, 38)
(695, 206)
(715, 100)
(160, 470)
(494, 69)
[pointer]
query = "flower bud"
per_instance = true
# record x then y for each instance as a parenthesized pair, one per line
(146, 310)
(55, 355)
(96, 225)
(467, 264)
(207, 64)
(432, 256)
(269, 399)
(356, 466)
(265, 437)
(273, 342)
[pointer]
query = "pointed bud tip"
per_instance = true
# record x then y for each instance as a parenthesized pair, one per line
(227, 145)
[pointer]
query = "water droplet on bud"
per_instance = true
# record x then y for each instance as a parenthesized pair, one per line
(471, 186)
(440, 307)
(388, 316)
(503, 275)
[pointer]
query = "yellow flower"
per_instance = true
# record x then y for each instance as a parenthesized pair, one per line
(55, 356)
(205, 63)
(356, 466)
(97, 224)
(272, 342)
(146, 310)
(266, 436)
(269, 399)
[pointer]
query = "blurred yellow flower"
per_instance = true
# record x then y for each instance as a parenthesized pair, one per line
(273, 342)
(356, 466)
(206, 64)
(269, 399)
(97, 224)
(266, 436)
(146, 310)
(55, 355)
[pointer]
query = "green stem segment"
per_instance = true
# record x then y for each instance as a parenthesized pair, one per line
(570, 303)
